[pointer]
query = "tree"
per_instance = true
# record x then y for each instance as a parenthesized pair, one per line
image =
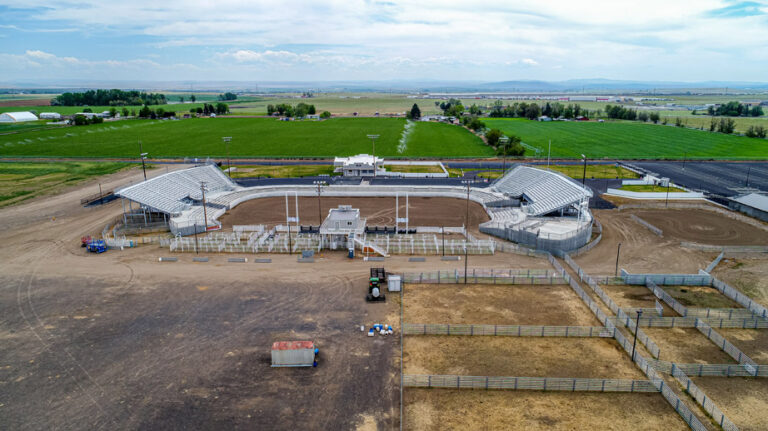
(228, 96)
(181, 99)
(113, 112)
(643, 116)
(325, 115)
(712, 124)
(160, 112)
(312, 110)
(512, 147)
(727, 125)
(414, 113)
(475, 110)
(133, 112)
(493, 136)
(87, 110)
(80, 120)
(756, 132)
(532, 111)
(678, 122)
(222, 108)
(145, 112)
(125, 112)
(192, 98)
(96, 120)
(475, 124)
(302, 110)
(756, 111)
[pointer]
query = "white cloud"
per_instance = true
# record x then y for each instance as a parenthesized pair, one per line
(653, 39)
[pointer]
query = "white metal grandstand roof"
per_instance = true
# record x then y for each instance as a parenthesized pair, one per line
(754, 200)
(170, 193)
(545, 191)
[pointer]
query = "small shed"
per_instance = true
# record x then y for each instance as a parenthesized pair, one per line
(293, 354)
(393, 283)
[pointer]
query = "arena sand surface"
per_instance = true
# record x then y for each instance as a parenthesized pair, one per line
(703, 227)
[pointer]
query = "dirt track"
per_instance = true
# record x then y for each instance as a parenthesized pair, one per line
(704, 227)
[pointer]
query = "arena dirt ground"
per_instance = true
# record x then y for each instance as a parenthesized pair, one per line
(627, 296)
(378, 211)
(743, 400)
(687, 346)
(753, 342)
(703, 227)
(641, 250)
(747, 273)
(432, 409)
(518, 356)
(555, 305)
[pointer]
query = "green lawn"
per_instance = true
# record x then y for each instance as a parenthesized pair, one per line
(283, 171)
(594, 171)
(650, 188)
(251, 137)
(628, 140)
(20, 181)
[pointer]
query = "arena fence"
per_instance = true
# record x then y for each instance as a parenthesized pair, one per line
(551, 242)
(714, 263)
(690, 322)
(507, 330)
(649, 226)
(706, 403)
(528, 383)
(740, 298)
(725, 248)
(724, 344)
(667, 279)
(712, 370)
(666, 391)
(593, 243)
(623, 318)
(486, 276)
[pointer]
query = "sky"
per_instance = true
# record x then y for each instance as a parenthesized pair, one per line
(336, 40)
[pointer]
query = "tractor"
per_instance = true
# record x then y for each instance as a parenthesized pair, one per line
(375, 289)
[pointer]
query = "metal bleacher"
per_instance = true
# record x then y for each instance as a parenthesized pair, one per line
(168, 193)
(543, 191)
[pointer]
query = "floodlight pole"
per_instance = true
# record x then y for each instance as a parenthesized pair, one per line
(143, 155)
(466, 232)
(205, 211)
(618, 251)
(319, 210)
(442, 230)
(684, 157)
(637, 329)
(666, 200)
(549, 152)
(584, 176)
(749, 168)
(373, 141)
(226, 140)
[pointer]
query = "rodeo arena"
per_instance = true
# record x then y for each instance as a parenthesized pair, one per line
(432, 303)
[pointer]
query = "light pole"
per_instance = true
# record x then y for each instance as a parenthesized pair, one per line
(205, 211)
(373, 141)
(685, 155)
(143, 156)
(584, 176)
(666, 200)
(319, 211)
(618, 251)
(503, 140)
(637, 329)
(442, 231)
(226, 140)
(749, 168)
(466, 231)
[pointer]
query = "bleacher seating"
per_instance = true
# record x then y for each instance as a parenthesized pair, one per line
(167, 193)
(543, 191)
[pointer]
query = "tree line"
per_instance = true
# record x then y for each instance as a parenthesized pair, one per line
(300, 110)
(735, 109)
(112, 97)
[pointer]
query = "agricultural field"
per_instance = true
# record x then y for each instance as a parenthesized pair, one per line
(628, 140)
(264, 137)
(21, 181)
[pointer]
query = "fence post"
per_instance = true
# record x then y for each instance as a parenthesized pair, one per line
(602, 389)
(429, 381)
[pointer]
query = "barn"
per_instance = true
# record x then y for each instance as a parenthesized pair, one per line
(17, 117)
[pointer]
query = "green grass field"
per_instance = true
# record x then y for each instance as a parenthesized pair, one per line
(284, 171)
(650, 188)
(21, 181)
(251, 137)
(629, 140)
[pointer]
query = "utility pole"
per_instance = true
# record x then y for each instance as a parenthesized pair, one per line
(637, 329)
(549, 152)
(373, 141)
(319, 211)
(685, 155)
(226, 140)
(618, 251)
(205, 211)
(749, 168)
(584, 176)
(143, 156)
(666, 200)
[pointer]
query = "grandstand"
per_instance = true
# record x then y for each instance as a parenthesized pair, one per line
(534, 207)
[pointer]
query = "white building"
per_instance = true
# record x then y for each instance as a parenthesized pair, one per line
(361, 165)
(17, 117)
(50, 116)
